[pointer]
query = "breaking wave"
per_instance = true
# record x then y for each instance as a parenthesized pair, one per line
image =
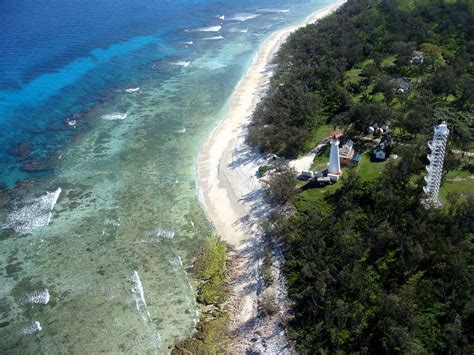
(244, 16)
(116, 116)
(163, 233)
(34, 214)
(112, 222)
(137, 289)
(214, 38)
(274, 11)
(183, 64)
(36, 297)
(33, 328)
(132, 89)
(216, 28)
(211, 65)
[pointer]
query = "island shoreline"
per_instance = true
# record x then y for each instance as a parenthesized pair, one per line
(250, 90)
(232, 198)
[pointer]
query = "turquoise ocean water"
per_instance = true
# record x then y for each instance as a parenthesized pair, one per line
(103, 107)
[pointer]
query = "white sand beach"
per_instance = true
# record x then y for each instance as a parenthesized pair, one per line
(232, 198)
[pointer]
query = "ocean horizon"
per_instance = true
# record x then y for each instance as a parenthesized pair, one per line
(103, 107)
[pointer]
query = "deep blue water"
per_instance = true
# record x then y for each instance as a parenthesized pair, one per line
(127, 200)
(58, 57)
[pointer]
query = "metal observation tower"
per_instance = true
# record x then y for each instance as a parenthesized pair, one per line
(435, 168)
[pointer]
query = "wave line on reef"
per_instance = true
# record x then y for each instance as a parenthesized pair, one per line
(34, 214)
(137, 289)
(216, 28)
(33, 328)
(36, 297)
(116, 116)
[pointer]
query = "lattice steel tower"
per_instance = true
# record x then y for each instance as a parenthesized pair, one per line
(435, 168)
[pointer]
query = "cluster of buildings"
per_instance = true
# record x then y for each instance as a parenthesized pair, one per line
(346, 155)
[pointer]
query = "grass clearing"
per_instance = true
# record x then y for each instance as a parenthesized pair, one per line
(314, 198)
(456, 181)
(368, 170)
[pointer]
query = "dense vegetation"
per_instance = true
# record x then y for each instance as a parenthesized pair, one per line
(379, 273)
(210, 270)
(340, 71)
(370, 269)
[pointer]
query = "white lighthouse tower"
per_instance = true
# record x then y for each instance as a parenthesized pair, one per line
(334, 166)
(435, 168)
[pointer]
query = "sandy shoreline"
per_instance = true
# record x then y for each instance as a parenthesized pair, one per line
(232, 198)
(220, 188)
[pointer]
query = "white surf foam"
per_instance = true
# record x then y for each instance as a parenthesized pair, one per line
(112, 222)
(164, 233)
(132, 89)
(116, 116)
(216, 28)
(211, 65)
(37, 297)
(161, 233)
(183, 64)
(188, 43)
(213, 38)
(221, 17)
(137, 289)
(33, 328)
(274, 11)
(241, 17)
(34, 214)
